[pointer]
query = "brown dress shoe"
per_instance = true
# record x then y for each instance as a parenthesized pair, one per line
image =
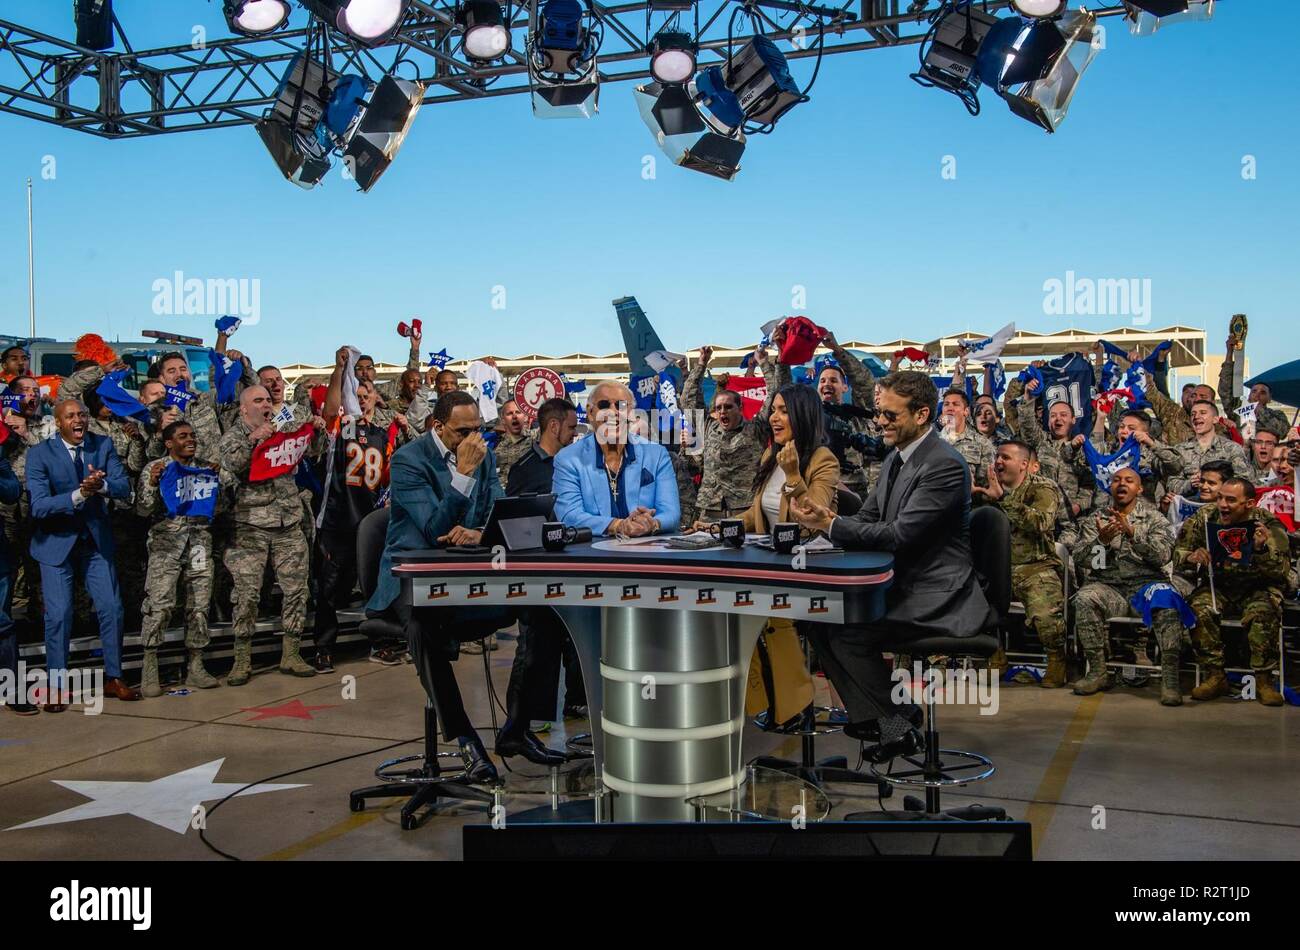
(119, 690)
(54, 707)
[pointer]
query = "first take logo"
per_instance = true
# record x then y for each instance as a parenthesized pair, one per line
(77, 903)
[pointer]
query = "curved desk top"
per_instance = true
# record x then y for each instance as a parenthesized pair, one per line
(839, 587)
(842, 570)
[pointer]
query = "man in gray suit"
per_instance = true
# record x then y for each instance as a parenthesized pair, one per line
(919, 511)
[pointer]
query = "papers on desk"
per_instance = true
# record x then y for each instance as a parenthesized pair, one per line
(817, 545)
(634, 542)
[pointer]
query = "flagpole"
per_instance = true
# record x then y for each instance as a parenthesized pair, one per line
(31, 267)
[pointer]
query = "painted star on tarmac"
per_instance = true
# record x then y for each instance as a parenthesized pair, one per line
(167, 802)
(290, 710)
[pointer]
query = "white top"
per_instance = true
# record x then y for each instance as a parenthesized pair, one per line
(771, 497)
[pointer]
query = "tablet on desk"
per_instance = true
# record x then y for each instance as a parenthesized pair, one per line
(516, 522)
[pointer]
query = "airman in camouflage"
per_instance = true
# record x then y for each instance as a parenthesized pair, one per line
(1248, 573)
(959, 431)
(687, 469)
(1059, 457)
(1030, 503)
(1158, 461)
(268, 525)
(848, 374)
(1267, 419)
(515, 441)
(1205, 445)
(732, 445)
(1121, 549)
(179, 546)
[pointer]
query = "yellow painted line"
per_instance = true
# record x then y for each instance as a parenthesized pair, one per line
(1050, 789)
(346, 826)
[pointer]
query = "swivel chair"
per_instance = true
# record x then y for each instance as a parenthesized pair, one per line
(990, 533)
(427, 782)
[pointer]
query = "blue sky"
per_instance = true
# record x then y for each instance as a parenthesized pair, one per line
(846, 199)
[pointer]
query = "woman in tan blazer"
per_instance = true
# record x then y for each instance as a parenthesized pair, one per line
(797, 464)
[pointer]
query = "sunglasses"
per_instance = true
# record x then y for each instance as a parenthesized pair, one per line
(612, 404)
(889, 414)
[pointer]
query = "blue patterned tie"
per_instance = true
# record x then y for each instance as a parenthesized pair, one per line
(79, 463)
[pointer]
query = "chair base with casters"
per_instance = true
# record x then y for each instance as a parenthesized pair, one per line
(423, 785)
(938, 768)
(815, 771)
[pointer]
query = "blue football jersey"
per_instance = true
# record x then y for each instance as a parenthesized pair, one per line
(1069, 378)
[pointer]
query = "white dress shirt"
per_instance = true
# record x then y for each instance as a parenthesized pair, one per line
(462, 483)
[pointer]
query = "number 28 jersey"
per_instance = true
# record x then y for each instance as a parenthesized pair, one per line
(356, 472)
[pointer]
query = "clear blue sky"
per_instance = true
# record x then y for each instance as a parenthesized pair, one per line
(846, 198)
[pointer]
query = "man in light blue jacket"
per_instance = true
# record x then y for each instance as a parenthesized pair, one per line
(613, 481)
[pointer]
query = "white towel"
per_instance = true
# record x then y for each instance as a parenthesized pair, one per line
(350, 405)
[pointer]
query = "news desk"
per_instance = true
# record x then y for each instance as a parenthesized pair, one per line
(671, 633)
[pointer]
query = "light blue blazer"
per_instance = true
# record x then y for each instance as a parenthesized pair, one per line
(582, 488)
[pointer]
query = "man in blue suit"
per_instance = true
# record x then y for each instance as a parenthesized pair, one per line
(442, 488)
(613, 481)
(9, 492)
(70, 476)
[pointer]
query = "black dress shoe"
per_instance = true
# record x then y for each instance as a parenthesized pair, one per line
(911, 742)
(531, 748)
(23, 709)
(478, 767)
(869, 730)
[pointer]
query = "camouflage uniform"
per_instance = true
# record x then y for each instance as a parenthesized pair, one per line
(1114, 573)
(268, 522)
(391, 389)
(857, 473)
(178, 547)
(1266, 417)
(730, 459)
(1058, 461)
(1193, 456)
(1035, 567)
(686, 467)
(509, 450)
(976, 449)
(1254, 591)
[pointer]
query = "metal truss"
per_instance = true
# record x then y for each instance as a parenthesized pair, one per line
(231, 81)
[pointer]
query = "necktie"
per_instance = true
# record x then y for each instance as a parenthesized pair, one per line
(894, 465)
(450, 458)
(79, 463)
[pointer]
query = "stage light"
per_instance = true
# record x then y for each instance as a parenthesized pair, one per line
(1039, 9)
(686, 135)
(486, 37)
(563, 40)
(94, 20)
(369, 22)
(291, 129)
(949, 57)
(1147, 16)
(1036, 66)
(755, 86)
(672, 57)
(256, 17)
(370, 121)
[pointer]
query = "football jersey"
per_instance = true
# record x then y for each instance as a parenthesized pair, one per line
(1069, 378)
(356, 472)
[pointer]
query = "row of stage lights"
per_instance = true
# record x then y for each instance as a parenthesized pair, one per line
(1033, 59)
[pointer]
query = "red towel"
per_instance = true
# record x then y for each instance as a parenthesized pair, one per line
(801, 339)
